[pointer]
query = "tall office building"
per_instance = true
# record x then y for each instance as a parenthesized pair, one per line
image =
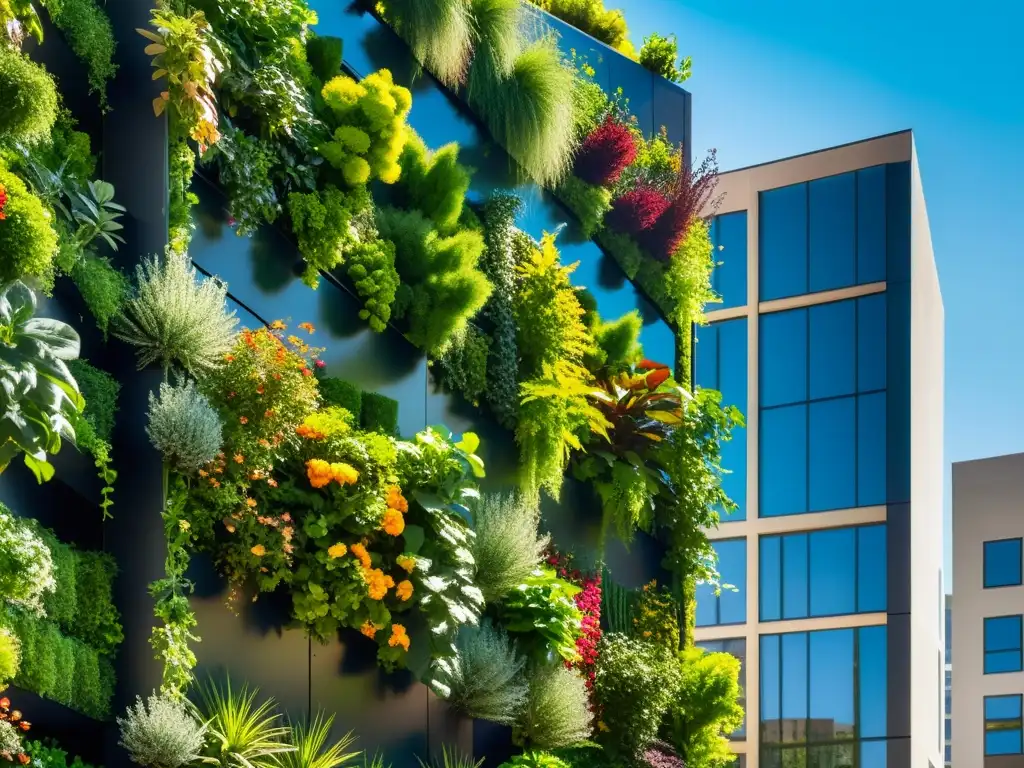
(948, 757)
(830, 340)
(988, 495)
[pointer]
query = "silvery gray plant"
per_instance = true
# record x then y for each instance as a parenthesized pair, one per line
(10, 739)
(184, 427)
(485, 677)
(161, 733)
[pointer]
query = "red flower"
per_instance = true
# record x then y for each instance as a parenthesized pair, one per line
(321, 364)
(605, 153)
(3, 202)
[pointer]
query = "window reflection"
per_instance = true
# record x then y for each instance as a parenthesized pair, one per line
(730, 605)
(1003, 725)
(1002, 563)
(1002, 644)
(738, 648)
(729, 278)
(832, 215)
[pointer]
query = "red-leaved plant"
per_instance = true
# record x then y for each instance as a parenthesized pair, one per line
(588, 600)
(693, 192)
(605, 153)
(636, 210)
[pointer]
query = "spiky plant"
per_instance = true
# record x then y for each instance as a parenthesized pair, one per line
(485, 679)
(310, 739)
(507, 547)
(161, 732)
(243, 734)
(174, 319)
(452, 759)
(184, 427)
(557, 711)
(497, 29)
(439, 32)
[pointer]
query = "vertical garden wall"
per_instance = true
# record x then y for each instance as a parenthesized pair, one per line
(382, 309)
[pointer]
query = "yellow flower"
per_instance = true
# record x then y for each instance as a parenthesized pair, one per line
(278, 325)
(393, 522)
(184, 525)
(398, 637)
(338, 550)
(259, 550)
(407, 563)
(344, 473)
(396, 500)
(369, 629)
(601, 726)
(251, 503)
(319, 472)
(404, 590)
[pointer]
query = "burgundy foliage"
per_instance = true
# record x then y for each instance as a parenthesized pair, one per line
(661, 755)
(605, 153)
(636, 210)
(693, 191)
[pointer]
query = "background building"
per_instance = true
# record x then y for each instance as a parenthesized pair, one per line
(830, 339)
(948, 758)
(987, 531)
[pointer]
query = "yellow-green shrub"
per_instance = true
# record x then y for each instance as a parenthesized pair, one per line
(369, 127)
(28, 241)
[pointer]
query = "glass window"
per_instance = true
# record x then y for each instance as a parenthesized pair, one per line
(831, 685)
(832, 205)
(949, 630)
(949, 729)
(1003, 725)
(730, 605)
(729, 278)
(736, 647)
(871, 343)
(873, 679)
(1002, 563)
(873, 754)
(783, 242)
(794, 686)
(823, 573)
(871, 225)
(783, 355)
(832, 451)
(771, 692)
(783, 475)
(871, 450)
(1003, 644)
(833, 348)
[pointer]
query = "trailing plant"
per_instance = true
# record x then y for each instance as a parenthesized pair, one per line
(605, 153)
(182, 53)
(240, 732)
(635, 684)
(245, 164)
(310, 739)
(439, 32)
(686, 285)
(498, 264)
(39, 397)
(463, 364)
(87, 29)
(507, 547)
(371, 267)
(590, 203)
(103, 287)
(28, 241)
(557, 711)
(161, 732)
(175, 320)
(369, 128)
(184, 427)
(705, 708)
(26, 566)
(322, 222)
(542, 611)
(30, 95)
(661, 56)
(484, 678)
(181, 161)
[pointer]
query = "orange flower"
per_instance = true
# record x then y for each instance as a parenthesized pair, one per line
(272, 482)
(306, 372)
(230, 528)
(251, 503)
(369, 629)
(215, 482)
(404, 590)
(406, 563)
(344, 473)
(269, 413)
(378, 583)
(243, 419)
(393, 522)
(398, 637)
(310, 433)
(239, 458)
(203, 473)
(229, 358)
(278, 325)
(23, 759)
(286, 517)
(359, 551)
(319, 472)
(307, 327)
(337, 550)
(396, 500)
(259, 550)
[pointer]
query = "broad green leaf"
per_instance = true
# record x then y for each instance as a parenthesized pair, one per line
(414, 536)
(469, 443)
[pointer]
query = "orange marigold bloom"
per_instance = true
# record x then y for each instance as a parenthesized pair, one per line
(251, 503)
(396, 500)
(306, 372)
(243, 419)
(24, 759)
(404, 590)
(369, 629)
(269, 413)
(260, 390)
(203, 473)
(319, 472)
(337, 550)
(308, 432)
(407, 563)
(307, 327)
(344, 473)
(398, 637)
(393, 522)
(359, 551)
(215, 482)
(378, 583)
(259, 550)
(239, 458)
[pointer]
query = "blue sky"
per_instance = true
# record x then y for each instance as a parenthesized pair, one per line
(773, 79)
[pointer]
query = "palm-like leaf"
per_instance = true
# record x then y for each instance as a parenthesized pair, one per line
(310, 740)
(243, 734)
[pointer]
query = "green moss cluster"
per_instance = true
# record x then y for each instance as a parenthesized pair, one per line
(29, 99)
(28, 241)
(374, 412)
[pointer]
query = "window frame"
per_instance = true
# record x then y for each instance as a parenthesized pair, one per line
(1019, 649)
(1020, 563)
(1019, 721)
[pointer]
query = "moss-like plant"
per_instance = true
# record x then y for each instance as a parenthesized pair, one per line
(30, 100)
(371, 267)
(100, 391)
(440, 33)
(590, 203)
(87, 29)
(322, 224)
(324, 54)
(463, 365)
(98, 622)
(435, 182)
(379, 414)
(28, 241)
(62, 604)
(342, 394)
(104, 288)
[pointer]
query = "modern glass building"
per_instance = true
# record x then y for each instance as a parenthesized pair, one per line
(987, 581)
(829, 338)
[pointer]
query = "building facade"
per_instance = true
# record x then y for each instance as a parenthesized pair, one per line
(829, 338)
(987, 533)
(948, 757)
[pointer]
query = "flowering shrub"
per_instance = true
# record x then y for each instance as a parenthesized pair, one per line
(26, 567)
(588, 600)
(605, 153)
(636, 210)
(656, 617)
(12, 725)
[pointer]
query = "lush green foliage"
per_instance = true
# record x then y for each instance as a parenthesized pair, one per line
(661, 54)
(635, 684)
(97, 620)
(463, 365)
(28, 241)
(557, 711)
(371, 267)
(656, 618)
(104, 288)
(184, 427)
(379, 414)
(608, 26)
(439, 32)
(44, 756)
(87, 29)
(161, 732)
(10, 657)
(30, 99)
(241, 733)
(484, 678)
(26, 565)
(589, 202)
(342, 394)
(323, 52)
(100, 391)
(508, 547)
(536, 760)
(498, 25)
(245, 165)
(434, 182)
(322, 224)
(542, 611)
(175, 320)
